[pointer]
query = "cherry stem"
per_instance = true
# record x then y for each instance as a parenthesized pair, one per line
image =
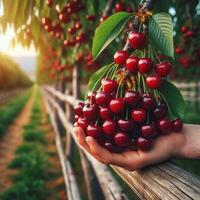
(154, 51)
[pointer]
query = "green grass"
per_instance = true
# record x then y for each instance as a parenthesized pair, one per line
(11, 110)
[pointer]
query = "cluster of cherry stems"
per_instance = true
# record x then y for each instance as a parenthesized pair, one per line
(122, 115)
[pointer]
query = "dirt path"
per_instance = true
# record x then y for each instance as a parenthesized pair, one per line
(10, 141)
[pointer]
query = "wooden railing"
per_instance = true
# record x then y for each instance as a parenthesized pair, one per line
(163, 181)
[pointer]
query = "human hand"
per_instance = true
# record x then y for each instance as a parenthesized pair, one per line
(164, 147)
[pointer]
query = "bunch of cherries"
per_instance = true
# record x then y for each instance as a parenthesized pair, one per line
(127, 111)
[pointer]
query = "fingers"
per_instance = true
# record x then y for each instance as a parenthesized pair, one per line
(80, 136)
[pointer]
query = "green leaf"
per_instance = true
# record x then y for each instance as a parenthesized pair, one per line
(160, 30)
(95, 79)
(108, 31)
(174, 99)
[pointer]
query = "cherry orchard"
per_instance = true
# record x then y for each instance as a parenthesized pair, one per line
(130, 103)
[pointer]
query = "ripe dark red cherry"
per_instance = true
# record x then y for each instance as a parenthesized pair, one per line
(121, 139)
(148, 131)
(109, 86)
(179, 50)
(125, 125)
(132, 98)
(78, 109)
(148, 102)
(117, 105)
(164, 125)
(120, 57)
(109, 128)
(139, 115)
(91, 97)
(137, 40)
(105, 113)
(163, 69)
(112, 147)
(90, 112)
(78, 25)
(177, 125)
(94, 131)
(143, 143)
(132, 64)
(145, 65)
(50, 3)
(82, 122)
(154, 82)
(102, 99)
(159, 112)
(119, 7)
(184, 29)
(63, 17)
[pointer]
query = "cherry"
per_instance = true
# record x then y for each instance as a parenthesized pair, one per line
(109, 86)
(177, 125)
(125, 125)
(137, 40)
(91, 97)
(63, 17)
(159, 112)
(120, 57)
(188, 34)
(94, 131)
(102, 99)
(71, 30)
(163, 69)
(109, 128)
(50, 3)
(179, 50)
(121, 139)
(112, 147)
(119, 7)
(154, 82)
(184, 29)
(78, 109)
(90, 112)
(145, 65)
(148, 102)
(46, 21)
(103, 18)
(78, 25)
(132, 98)
(164, 125)
(143, 143)
(117, 105)
(132, 64)
(105, 113)
(83, 123)
(139, 115)
(91, 17)
(148, 131)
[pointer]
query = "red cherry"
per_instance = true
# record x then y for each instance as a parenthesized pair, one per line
(154, 82)
(143, 143)
(139, 115)
(112, 147)
(179, 50)
(159, 112)
(103, 18)
(109, 128)
(102, 99)
(132, 64)
(92, 96)
(117, 105)
(177, 125)
(76, 118)
(90, 112)
(148, 131)
(164, 125)
(137, 40)
(132, 98)
(91, 17)
(46, 21)
(83, 123)
(163, 69)
(50, 3)
(109, 86)
(125, 125)
(145, 65)
(119, 7)
(71, 30)
(188, 34)
(94, 131)
(120, 57)
(121, 139)
(78, 109)
(184, 29)
(105, 113)
(148, 102)
(78, 25)
(63, 17)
